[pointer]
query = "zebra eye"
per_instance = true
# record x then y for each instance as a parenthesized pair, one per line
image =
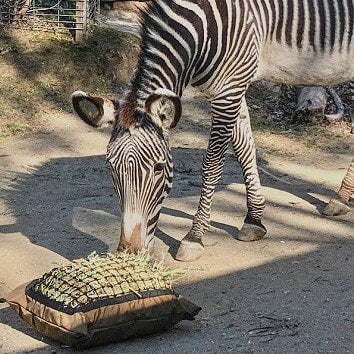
(159, 166)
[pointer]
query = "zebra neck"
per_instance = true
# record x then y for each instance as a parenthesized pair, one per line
(157, 71)
(171, 47)
(151, 76)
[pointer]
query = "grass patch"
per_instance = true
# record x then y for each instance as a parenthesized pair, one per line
(15, 128)
(39, 71)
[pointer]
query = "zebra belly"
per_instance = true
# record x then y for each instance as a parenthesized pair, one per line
(290, 66)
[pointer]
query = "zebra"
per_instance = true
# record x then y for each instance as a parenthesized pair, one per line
(220, 47)
(340, 204)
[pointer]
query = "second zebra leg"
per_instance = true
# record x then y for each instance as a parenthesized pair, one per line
(351, 108)
(340, 204)
(225, 114)
(245, 150)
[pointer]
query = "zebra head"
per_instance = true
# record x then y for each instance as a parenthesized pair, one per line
(139, 157)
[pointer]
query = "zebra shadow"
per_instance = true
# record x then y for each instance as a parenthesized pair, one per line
(68, 205)
(46, 201)
(187, 167)
(273, 304)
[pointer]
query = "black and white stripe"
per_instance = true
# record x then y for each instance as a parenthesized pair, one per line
(347, 188)
(142, 177)
(221, 47)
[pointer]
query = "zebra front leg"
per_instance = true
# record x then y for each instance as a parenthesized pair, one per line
(340, 205)
(191, 247)
(351, 108)
(245, 150)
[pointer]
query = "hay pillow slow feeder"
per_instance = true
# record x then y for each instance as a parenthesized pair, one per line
(102, 299)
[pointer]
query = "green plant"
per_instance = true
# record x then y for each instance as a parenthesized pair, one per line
(15, 128)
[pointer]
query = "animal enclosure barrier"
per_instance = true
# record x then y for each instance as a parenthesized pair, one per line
(44, 15)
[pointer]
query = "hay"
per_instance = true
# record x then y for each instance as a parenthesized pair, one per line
(105, 276)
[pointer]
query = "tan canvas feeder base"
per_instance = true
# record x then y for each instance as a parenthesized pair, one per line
(103, 321)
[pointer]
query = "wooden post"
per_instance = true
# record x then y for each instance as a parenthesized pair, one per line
(81, 20)
(18, 15)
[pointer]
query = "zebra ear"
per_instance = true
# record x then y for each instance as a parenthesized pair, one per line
(94, 110)
(164, 107)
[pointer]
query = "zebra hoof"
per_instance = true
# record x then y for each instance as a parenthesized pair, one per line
(335, 207)
(251, 232)
(189, 251)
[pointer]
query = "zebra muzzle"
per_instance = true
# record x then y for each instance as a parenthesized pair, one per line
(133, 241)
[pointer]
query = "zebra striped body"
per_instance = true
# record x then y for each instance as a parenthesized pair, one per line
(317, 50)
(347, 188)
(212, 43)
(221, 46)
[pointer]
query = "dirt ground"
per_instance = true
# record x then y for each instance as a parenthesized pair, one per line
(289, 293)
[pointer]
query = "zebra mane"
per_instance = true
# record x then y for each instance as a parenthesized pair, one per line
(145, 22)
(127, 115)
(144, 13)
(133, 103)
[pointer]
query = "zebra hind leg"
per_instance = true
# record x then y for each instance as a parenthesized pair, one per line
(351, 109)
(244, 147)
(340, 204)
